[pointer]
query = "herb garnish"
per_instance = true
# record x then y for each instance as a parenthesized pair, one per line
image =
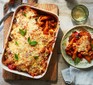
(16, 43)
(16, 56)
(32, 43)
(24, 14)
(22, 32)
(36, 57)
(77, 60)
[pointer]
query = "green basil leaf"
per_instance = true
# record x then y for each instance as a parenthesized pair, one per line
(24, 14)
(16, 56)
(16, 43)
(36, 57)
(77, 60)
(32, 43)
(29, 40)
(22, 32)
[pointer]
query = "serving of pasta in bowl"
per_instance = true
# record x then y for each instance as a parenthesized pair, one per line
(77, 46)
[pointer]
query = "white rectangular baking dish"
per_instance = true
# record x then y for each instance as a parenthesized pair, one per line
(6, 41)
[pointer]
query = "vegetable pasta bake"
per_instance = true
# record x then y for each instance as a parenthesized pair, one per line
(30, 41)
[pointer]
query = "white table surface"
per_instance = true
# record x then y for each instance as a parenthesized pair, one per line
(65, 24)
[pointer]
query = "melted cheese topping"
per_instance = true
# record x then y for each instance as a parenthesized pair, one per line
(82, 44)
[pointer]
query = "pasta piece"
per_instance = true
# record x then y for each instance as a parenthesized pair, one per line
(46, 28)
(88, 58)
(74, 54)
(42, 18)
